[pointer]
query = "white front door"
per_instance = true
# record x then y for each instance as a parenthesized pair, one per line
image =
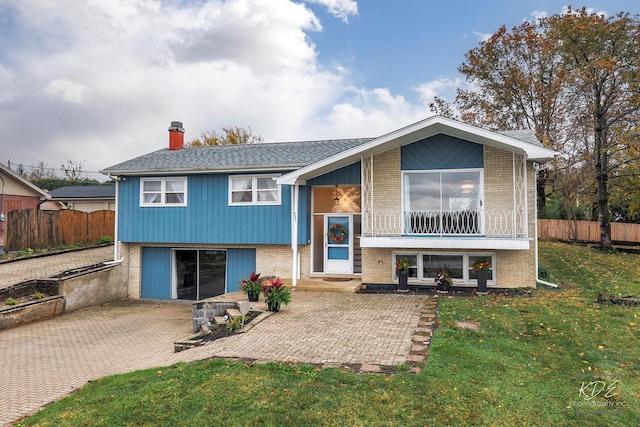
(338, 246)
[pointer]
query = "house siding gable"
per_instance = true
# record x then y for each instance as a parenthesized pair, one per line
(348, 175)
(207, 218)
(441, 152)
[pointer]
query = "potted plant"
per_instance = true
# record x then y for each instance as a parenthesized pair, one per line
(275, 294)
(482, 274)
(252, 286)
(402, 271)
(443, 281)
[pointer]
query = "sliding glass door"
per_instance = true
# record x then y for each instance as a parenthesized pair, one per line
(198, 273)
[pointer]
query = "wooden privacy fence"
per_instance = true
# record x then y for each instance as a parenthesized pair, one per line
(35, 229)
(587, 231)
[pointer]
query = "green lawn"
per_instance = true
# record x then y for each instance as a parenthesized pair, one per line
(521, 367)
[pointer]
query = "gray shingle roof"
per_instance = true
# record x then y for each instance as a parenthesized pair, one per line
(84, 192)
(267, 156)
(525, 135)
(282, 156)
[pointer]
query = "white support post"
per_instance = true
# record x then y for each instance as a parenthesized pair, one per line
(294, 233)
(515, 189)
(525, 218)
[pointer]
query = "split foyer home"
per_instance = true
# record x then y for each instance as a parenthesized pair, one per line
(194, 221)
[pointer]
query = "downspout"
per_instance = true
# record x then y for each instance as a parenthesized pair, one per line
(294, 233)
(2, 201)
(116, 252)
(537, 168)
(2, 210)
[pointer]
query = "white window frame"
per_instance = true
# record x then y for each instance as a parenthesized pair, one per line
(254, 191)
(406, 195)
(466, 266)
(163, 191)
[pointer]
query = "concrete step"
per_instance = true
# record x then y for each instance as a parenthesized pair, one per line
(233, 312)
(219, 320)
(328, 285)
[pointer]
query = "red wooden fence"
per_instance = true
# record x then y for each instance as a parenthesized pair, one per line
(35, 229)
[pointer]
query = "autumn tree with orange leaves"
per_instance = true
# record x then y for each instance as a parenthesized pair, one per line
(572, 78)
(230, 136)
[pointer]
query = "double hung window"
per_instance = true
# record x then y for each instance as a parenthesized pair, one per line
(253, 190)
(163, 191)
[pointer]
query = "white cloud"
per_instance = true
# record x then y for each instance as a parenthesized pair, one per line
(68, 90)
(263, 34)
(442, 88)
(369, 113)
(482, 37)
(339, 8)
(103, 80)
(539, 14)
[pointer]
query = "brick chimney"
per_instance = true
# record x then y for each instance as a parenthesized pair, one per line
(176, 136)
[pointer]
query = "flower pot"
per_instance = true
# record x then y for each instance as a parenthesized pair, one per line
(273, 306)
(482, 276)
(253, 297)
(402, 281)
(442, 286)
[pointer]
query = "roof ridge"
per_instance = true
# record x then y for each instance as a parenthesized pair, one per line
(278, 143)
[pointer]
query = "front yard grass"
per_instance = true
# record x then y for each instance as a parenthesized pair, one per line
(520, 367)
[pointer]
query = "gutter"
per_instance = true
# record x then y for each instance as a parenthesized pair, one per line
(537, 168)
(182, 171)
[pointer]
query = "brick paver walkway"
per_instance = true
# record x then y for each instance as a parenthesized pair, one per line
(330, 328)
(41, 362)
(44, 361)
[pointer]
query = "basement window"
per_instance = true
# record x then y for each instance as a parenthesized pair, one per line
(163, 191)
(424, 266)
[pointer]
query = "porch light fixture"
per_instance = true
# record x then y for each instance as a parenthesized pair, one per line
(467, 187)
(336, 199)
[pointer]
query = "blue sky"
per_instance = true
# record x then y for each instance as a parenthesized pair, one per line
(99, 82)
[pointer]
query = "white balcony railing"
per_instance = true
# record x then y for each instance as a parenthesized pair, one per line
(445, 223)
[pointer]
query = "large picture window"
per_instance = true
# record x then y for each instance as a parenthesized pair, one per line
(425, 265)
(442, 202)
(254, 190)
(163, 191)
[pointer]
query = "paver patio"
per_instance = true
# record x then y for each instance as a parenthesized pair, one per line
(42, 362)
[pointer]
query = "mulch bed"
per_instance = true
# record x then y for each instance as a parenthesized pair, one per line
(20, 300)
(221, 331)
(629, 300)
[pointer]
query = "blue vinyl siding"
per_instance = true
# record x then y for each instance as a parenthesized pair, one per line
(240, 264)
(207, 218)
(343, 176)
(156, 270)
(441, 152)
(156, 273)
(304, 220)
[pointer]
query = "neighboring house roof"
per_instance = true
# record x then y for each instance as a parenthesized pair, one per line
(23, 181)
(232, 158)
(522, 142)
(83, 192)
